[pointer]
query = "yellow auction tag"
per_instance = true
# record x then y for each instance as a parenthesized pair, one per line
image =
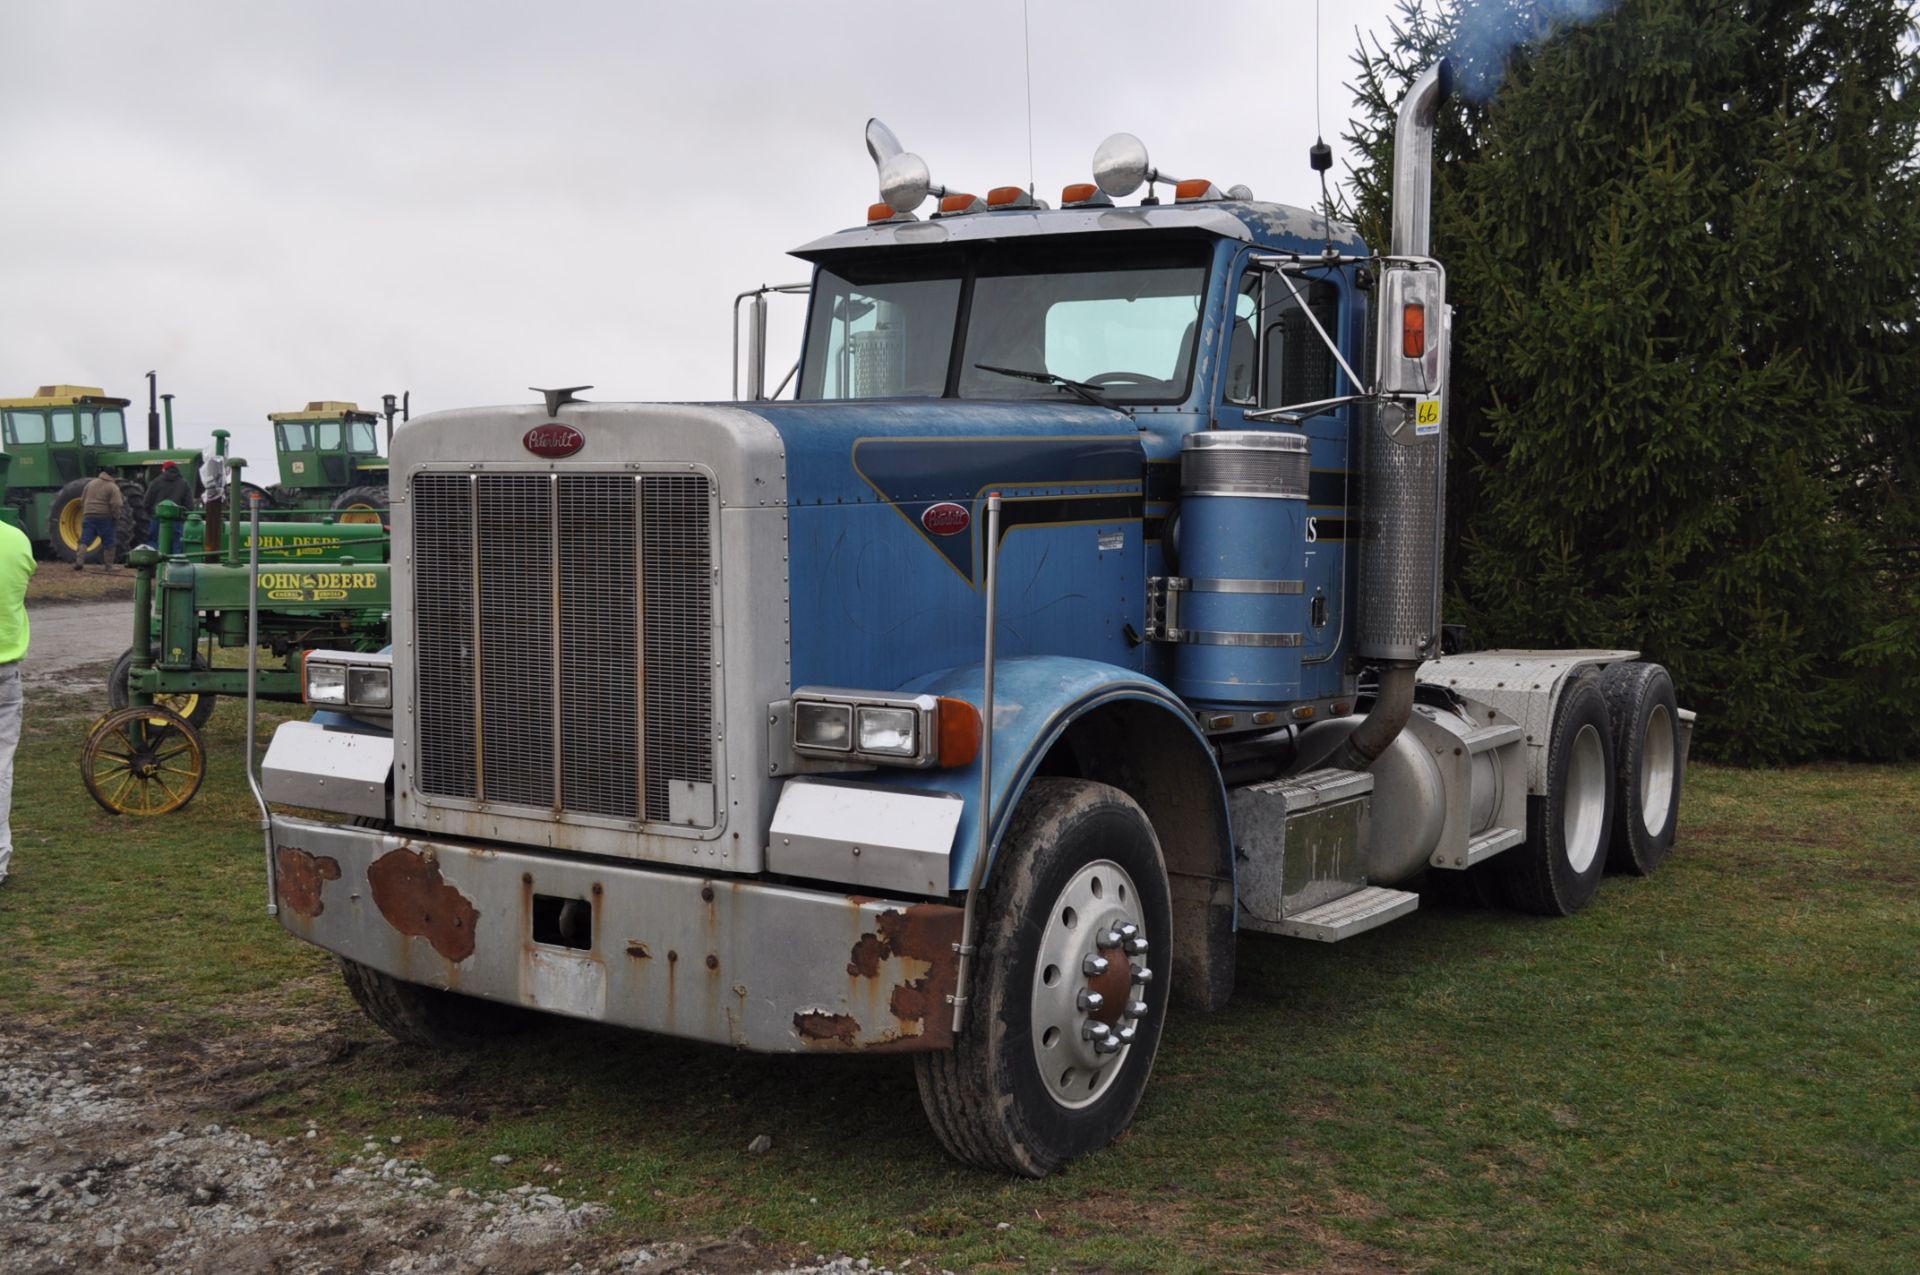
(1428, 412)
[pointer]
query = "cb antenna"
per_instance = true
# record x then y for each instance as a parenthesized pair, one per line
(1320, 155)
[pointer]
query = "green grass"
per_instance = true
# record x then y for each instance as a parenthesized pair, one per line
(1711, 1069)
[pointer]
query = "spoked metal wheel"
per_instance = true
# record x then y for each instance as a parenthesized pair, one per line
(1086, 1007)
(143, 760)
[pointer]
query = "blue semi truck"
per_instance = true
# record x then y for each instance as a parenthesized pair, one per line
(1078, 613)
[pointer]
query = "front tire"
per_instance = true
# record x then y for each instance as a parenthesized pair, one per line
(1646, 752)
(427, 1016)
(196, 707)
(1557, 870)
(1067, 1002)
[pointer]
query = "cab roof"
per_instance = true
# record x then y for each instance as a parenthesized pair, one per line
(66, 396)
(326, 409)
(1281, 227)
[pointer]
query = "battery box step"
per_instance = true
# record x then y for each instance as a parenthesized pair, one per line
(1350, 914)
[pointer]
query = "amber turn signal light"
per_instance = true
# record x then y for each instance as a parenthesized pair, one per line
(1413, 331)
(959, 732)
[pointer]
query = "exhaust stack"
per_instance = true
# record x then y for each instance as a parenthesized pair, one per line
(1403, 446)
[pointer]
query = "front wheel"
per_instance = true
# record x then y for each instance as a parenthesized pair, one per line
(427, 1016)
(1069, 990)
(360, 504)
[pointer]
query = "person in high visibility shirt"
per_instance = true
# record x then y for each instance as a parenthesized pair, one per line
(16, 568)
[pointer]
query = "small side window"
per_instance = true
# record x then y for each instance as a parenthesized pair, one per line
(26, 429)
(326, 436)
(293, 437)
(1242, 352)
(63, 429)
(1296, 365)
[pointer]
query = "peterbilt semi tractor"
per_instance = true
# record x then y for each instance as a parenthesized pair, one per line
(1078, 613)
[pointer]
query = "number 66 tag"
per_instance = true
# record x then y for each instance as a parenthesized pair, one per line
(1426, 416)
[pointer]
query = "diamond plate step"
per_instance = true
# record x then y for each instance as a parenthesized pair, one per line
(1350, 914)
(1480, 849)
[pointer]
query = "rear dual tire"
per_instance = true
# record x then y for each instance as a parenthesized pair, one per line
(1557, 870)
(1647, 755)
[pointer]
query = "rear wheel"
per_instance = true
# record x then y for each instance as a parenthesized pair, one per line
(1065, 1012)
(428, 1016)
(360, 504)
(1646, 753)
(196, 708)
(1558, 869)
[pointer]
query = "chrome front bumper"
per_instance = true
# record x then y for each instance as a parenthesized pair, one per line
(740, 962)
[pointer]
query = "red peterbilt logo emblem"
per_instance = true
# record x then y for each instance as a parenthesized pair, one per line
(946, 518)
(554, 440)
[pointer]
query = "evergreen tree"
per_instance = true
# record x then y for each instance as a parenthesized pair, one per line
(1683, 245)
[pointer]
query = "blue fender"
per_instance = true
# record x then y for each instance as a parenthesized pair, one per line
(1036, 699)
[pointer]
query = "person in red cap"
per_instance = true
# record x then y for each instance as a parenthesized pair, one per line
(170, 485)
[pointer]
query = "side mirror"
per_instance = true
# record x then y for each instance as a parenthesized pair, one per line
(1412, 338)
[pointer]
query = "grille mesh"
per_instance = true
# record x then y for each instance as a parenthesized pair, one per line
(443, 624)
(679, 636)
(616, 571)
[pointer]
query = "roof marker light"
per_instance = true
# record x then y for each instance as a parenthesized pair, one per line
(959, 202)
(1013, 197)
(880, 212)
(1195, 190)
(1084, 195)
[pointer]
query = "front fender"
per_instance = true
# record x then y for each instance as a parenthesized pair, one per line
(1036, 700)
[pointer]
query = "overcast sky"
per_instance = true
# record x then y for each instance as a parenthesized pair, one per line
(276, 202)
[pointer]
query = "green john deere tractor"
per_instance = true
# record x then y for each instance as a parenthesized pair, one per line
(58, 439)
(330, 460)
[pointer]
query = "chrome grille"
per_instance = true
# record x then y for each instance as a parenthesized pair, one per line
(589, 600)
(679, 636)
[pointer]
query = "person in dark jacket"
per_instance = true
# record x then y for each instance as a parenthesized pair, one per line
(100, 506)
(170, 485)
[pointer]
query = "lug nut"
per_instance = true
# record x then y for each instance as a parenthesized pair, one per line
(1141, 974)
(1109, 938)
(1106, 1045)
(1124, 1035)
(1127, 929)
(1089, 1002)
(1094, 966)
(1136, 947)
(1096, 1031)
(1136, 1009)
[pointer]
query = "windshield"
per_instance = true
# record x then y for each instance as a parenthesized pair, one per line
(108, 429)
(360, 437)
(884, 327)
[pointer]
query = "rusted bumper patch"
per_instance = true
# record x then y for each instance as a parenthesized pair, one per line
(410, 893)
(299, 878)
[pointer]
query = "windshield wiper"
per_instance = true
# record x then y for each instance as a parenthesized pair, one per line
(1079, 389)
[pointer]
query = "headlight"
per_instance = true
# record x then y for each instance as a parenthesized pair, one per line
(892, 731)
(883, 728)
(818, 725)
(370, 687)
(326, 684)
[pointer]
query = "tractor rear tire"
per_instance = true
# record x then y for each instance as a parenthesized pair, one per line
(360, 504)
(1646, 755)
(196, 708)
(1557, 870)
(426, 1016)
(65, 520)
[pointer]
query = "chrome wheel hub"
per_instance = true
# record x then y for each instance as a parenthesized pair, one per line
(1584, 810)
(1657, 762)
(1089, 987)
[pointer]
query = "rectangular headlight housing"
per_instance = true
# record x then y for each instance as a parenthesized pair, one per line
(822, 726)
(326, 683)
(357, 681)
(877, 728)
(370, 687)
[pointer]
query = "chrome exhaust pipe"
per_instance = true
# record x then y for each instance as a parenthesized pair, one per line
(1413, 160)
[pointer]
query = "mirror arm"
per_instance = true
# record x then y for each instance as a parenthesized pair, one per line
(1295, 413)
